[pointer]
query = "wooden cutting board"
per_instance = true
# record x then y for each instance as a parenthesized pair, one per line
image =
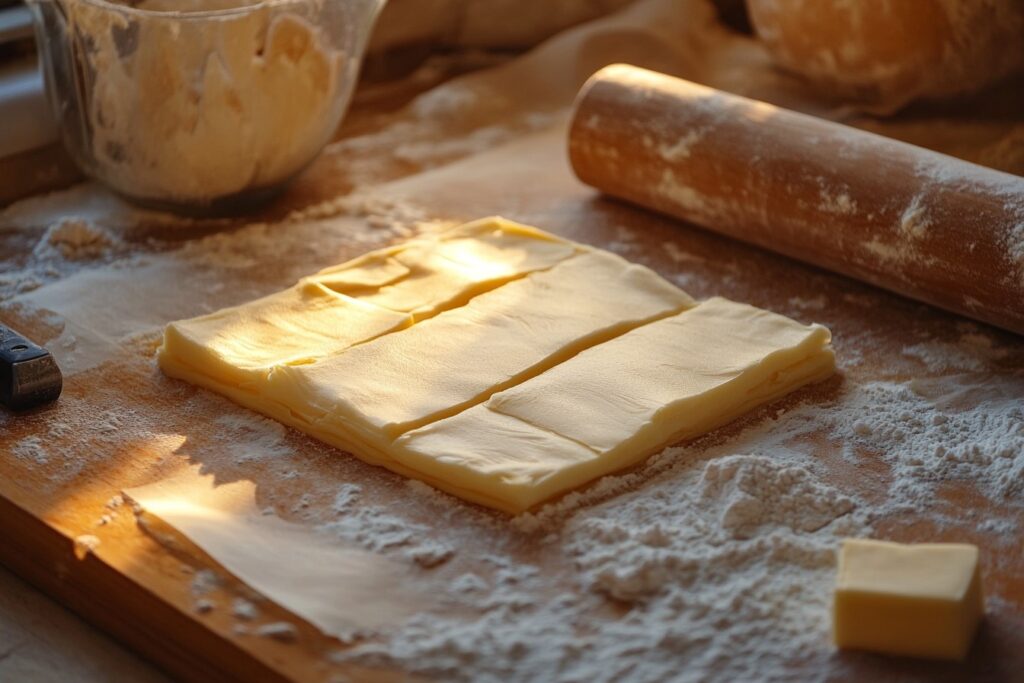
(121, 423)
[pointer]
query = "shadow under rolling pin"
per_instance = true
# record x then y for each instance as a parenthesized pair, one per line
(923, 224)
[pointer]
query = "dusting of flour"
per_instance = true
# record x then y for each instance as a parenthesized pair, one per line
(711, 562)
(718, 559)
(375, 528)
(722, 568)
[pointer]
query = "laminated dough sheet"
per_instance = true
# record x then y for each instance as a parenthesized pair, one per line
(526, 367)
(359, 300)
(617, 402)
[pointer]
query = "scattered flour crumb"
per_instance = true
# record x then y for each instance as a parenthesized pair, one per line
(914, 223)
(429, 493)
(680, 150)
(759, 491)
(204, 581)
(886, 252)
(468, 583)
(282, 631)
(972, 353)
(244, 609)
(676, 253)
(31, 448)
(346, 496)
(1015, 245)
(942, 356)
(376, 528)
(431, 554)
(252, 438)
(922, 430)
(85, 544)
(428, 153)
(840, 203)
(303, 503)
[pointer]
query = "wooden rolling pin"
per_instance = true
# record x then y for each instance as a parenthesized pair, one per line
(913, 221)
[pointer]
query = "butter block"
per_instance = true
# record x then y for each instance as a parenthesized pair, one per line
(673, 379)
(443, 365)
(238, 346)
(614, 403)
(496, 361)
(345, 305)
(921, 600)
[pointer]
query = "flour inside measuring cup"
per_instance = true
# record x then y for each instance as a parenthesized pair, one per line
(190, 108)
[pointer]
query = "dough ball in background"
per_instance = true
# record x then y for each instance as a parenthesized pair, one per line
(890, 52)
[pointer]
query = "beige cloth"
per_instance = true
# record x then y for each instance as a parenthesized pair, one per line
(687, 38)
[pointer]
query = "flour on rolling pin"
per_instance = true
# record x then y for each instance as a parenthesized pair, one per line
(898, 216)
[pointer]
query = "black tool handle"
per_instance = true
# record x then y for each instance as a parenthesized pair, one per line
(28, 374)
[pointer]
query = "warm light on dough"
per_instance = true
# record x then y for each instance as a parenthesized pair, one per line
(239, 346)
(423, 277)
(495, 361)
(440, 366)
(356, 301)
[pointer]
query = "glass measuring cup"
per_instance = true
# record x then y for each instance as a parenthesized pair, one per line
(203, 106)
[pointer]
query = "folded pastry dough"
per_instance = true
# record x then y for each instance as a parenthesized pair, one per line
(238, 346)
(496, 361)
(356, 301)
(378, 390)
(617, 402)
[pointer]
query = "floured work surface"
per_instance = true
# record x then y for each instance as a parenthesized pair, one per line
(917, 439)
(715, 560)
(496, 362)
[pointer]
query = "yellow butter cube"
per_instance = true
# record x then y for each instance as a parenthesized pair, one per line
(922, 600)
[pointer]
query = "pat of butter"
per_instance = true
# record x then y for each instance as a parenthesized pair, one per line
(922, 600)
